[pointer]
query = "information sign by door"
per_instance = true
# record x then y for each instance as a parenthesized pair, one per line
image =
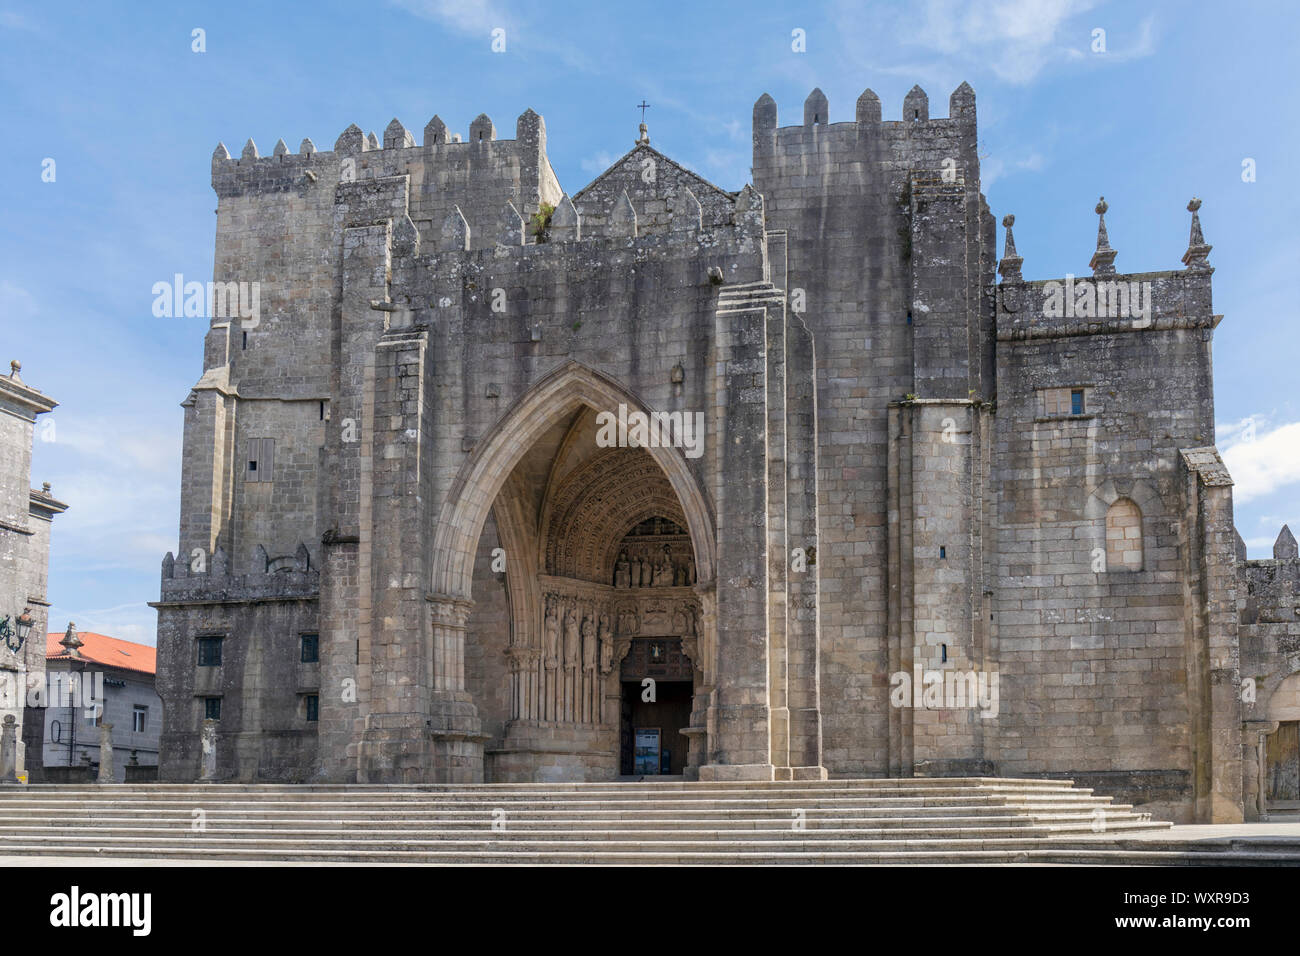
(646, 751)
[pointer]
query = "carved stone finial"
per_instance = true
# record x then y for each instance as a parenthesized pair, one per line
(1009, 267)
(1196, 258)
(71, 641)
(1103, 260)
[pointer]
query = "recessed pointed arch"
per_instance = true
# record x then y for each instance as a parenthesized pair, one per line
(480, 478)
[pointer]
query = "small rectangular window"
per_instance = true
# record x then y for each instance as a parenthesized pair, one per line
(139, 717)
(310, 648)
(211, 708)
(261, 459)
(1076, 401)
(943, 552)
(313, 706)
(210, 652)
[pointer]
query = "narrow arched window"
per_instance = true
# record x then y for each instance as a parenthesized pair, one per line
(1124, 536)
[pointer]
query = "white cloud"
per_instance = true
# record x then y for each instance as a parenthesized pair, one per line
(994, 168)
(16, 21)
(464, 16)
(120, 475)
(1015, 39)
(136, 622)
(727, 168)
(15, 301)
(1024, 33)
(1260, 459)
(1144, 45)
(599, 163)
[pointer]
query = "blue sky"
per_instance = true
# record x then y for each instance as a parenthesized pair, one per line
(114, 94)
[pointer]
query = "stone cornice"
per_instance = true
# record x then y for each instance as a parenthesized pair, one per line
(15, 392)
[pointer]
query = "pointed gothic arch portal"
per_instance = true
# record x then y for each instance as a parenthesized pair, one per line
(610, 555)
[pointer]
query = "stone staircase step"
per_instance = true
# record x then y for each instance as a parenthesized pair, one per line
(926, 820)
(948, 857)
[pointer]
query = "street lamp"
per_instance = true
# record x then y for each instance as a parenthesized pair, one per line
(15, 635)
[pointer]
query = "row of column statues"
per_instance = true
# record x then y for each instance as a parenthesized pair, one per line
(643, 572)
(587, 639)
(577, 652)
(563, 679)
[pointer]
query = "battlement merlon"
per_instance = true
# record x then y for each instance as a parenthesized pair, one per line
(357, 156)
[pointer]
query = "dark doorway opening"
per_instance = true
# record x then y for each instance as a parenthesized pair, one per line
(1284, 764)
(669, 713)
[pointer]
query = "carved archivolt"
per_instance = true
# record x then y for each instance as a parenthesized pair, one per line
(597, 505)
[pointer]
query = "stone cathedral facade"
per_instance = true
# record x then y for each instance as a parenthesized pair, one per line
(502, 483)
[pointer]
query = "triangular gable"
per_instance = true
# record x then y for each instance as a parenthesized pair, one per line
(632, 160)
(659, 190)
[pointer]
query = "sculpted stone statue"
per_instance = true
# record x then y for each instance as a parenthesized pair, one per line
(636, 572)
(552, 635)
(647, 572)
(589, 648)
(571, 650)
(622, 572)
(664, 571)
(606, 645)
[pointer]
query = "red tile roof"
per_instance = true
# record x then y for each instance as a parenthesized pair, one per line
(105, 651)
